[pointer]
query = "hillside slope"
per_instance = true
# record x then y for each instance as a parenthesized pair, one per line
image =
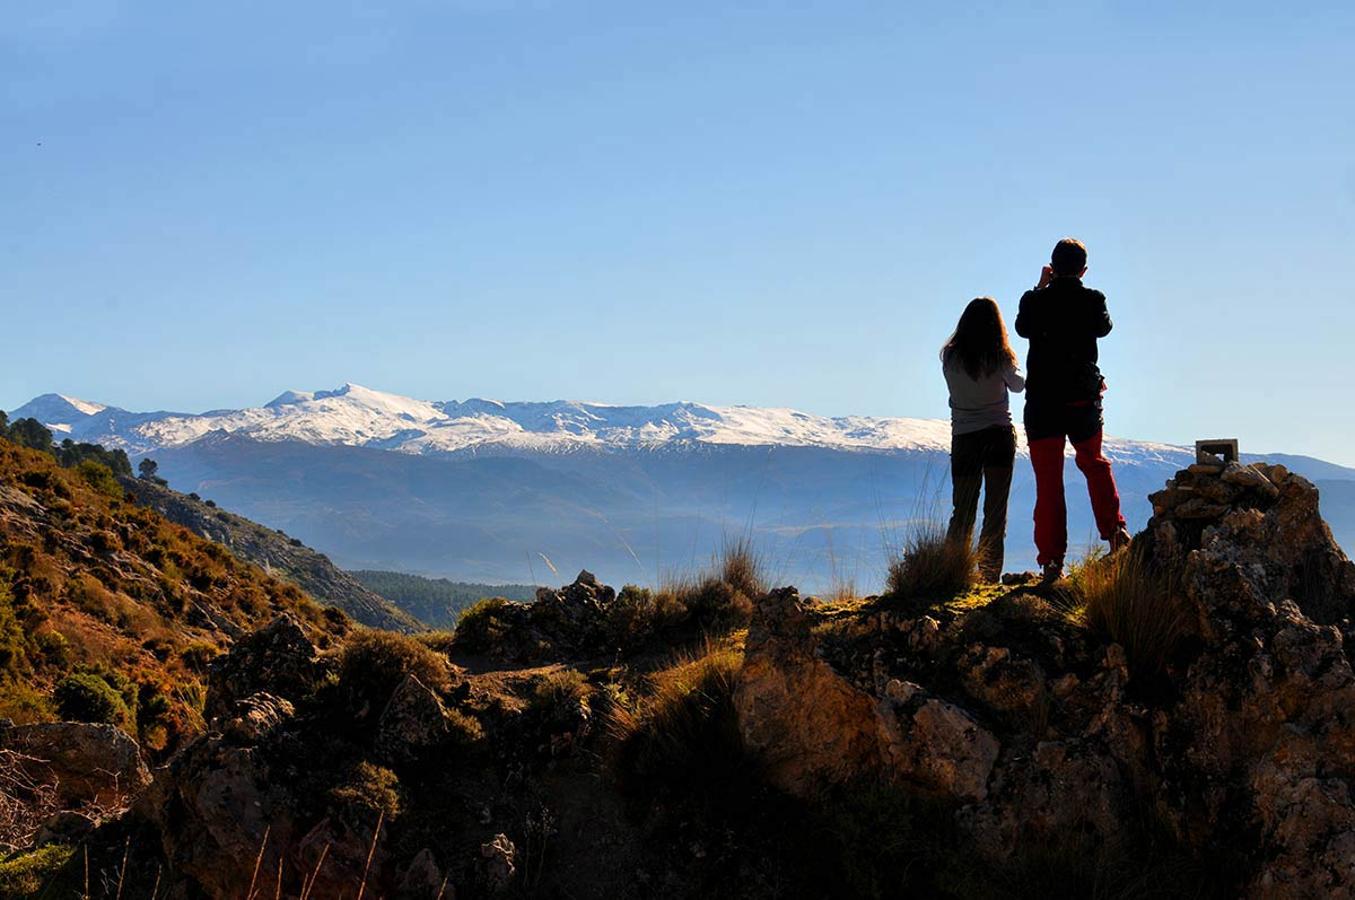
(275, 553)
(98, 592)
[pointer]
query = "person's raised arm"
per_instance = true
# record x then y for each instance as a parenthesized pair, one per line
(1025, 315)
(1100, 323)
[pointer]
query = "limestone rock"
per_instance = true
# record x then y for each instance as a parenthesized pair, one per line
(90, 764)
(498, 863)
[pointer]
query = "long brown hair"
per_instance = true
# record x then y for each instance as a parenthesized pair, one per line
(980, 340)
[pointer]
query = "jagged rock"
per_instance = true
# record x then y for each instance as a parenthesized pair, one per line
(277, 659)
(423, 879)
(559, 623)
(795, 712)
(89, 764)
(413, 722)
(498, 863)
(213, 805)
(939, 747)
(345, 847)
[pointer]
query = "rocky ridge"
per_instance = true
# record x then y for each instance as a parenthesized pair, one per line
(1034, 731)
(417, 769)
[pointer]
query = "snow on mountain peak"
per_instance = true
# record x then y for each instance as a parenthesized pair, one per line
(354, 415)
(57, 409)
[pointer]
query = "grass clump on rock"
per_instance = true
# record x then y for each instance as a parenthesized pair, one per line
(686, 730)
(1128, 601)
(932, 568)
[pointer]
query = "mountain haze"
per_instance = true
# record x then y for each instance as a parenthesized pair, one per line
(505, 491)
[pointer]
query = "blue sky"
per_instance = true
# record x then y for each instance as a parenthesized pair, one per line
(763, 203)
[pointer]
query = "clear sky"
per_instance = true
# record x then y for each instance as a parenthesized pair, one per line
(788, 204)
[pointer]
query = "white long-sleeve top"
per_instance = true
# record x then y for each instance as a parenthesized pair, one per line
(976, 404)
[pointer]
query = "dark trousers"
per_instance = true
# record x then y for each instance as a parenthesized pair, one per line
(982, 461)
(1047, 428)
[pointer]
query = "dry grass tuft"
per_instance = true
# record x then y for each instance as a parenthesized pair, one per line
(741, 567)
(1127, 601)
(685, 731)
(932, 568)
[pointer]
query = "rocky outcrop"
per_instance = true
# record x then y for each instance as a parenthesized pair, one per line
(1033, 729)
(563, 623)
(414, 722)
(278, 659)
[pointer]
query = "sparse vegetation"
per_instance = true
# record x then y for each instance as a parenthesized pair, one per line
(932, 568)
(98, 589)
(1127, 601)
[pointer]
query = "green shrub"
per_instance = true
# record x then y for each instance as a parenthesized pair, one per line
(373, 663)
(480, 628)
(100, 477)
(86, 697)
(28, 874)
(368, 790)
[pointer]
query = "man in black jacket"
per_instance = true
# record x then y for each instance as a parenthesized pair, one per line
(1063, 319)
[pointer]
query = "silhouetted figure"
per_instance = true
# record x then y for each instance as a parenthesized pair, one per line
(980, 368)
(1063, 320)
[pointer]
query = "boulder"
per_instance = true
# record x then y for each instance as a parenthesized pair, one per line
(498, 863)
(257, 716)
(423, 880)
(413, 722)
(278, 659)
(89, 764)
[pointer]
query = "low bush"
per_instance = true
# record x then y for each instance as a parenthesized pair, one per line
(373, 663)
(86, 697)
(100, 477)
(28, 874)
(367, 791)
(479, 628)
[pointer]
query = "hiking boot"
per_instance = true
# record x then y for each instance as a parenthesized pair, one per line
(1051, 572)
(1120, 539)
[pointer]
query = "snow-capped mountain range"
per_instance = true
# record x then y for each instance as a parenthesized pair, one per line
(486, 491)
(357, 416)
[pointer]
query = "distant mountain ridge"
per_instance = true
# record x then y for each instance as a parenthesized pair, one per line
(492, 492)
(356, 416)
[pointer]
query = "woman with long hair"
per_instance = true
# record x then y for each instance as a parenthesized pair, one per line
(980, 370)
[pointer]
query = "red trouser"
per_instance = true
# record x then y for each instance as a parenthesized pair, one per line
(1051, 513)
